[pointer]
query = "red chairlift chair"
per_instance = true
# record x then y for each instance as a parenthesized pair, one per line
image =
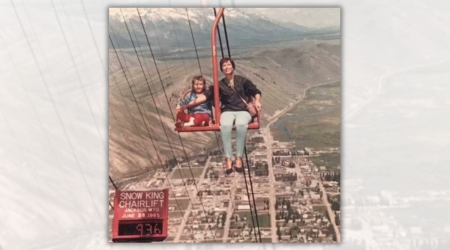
(254, 123)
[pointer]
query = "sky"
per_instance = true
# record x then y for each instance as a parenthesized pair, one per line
(309, 17)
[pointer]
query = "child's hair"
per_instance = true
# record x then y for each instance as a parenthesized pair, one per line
(198, 78)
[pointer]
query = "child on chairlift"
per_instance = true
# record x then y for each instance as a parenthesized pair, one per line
(199, 115)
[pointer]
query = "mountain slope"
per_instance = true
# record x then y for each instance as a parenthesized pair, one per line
(280, 74)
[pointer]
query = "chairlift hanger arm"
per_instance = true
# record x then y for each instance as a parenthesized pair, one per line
(214, 64)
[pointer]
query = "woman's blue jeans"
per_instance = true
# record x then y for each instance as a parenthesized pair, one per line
(241, 120)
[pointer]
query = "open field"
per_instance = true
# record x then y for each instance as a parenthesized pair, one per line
(186, 173)
(264, 219)
(179, 204)
(266, 240)
(315, 121)
(321, 208)
(328, 160)
(176, 214)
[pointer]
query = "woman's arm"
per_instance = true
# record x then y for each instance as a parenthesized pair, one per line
(251, 90)
(184, 102)
(201, 98)
(258, 97)
(258, 104)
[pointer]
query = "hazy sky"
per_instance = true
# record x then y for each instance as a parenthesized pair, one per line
(310, 17)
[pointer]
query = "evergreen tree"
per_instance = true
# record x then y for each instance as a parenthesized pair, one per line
(224, 218)
(337, 221)
(279, 233)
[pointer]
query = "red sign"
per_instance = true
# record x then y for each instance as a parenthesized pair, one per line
(140, 215)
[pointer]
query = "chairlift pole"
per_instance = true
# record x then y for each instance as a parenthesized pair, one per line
(214, 64)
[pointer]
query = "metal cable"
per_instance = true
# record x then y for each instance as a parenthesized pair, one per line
(146, 127)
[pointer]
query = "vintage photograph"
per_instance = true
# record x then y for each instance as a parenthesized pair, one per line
(224, 125)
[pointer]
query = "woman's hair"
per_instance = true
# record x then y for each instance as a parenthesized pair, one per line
(224, 60)
(198, 78)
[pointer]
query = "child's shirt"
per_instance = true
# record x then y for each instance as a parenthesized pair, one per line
(200, 108)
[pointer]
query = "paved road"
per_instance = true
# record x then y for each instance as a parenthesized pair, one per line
(330, 212)
(226, 228)
(272, 195)
(189, 208)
